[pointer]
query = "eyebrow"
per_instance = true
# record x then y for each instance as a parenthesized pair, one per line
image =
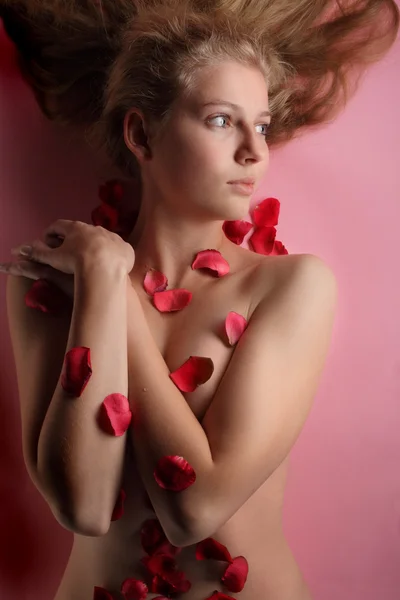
(265, 113)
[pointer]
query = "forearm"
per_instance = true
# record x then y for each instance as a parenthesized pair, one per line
(79, 462)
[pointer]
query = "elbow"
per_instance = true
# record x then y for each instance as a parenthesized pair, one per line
(85, 524)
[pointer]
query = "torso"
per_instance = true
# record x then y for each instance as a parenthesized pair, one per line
(255, 531)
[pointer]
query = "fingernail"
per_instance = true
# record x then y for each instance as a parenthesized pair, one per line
(25, 250)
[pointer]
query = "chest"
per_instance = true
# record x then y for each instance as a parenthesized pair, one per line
(200, 328)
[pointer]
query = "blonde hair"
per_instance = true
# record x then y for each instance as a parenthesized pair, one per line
(89, 62)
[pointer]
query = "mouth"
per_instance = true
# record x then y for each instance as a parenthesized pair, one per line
(246, 189)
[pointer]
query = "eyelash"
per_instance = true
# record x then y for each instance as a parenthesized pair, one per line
(227, 117)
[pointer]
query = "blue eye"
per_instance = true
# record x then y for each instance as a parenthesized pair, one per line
(226, 118)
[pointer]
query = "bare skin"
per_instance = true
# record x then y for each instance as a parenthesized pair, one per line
(255, 531)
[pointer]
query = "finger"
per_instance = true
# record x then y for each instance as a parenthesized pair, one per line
(24, 269)
(40, 252)
(61, 227)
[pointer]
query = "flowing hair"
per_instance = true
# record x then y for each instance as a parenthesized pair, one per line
(89, 61)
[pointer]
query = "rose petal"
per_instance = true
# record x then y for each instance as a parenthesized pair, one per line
(212, 260)
(235, 575)
(119, 506)
(115, 414)
(194, 372)
(77, 370)
(174, 584)
(262, 240)
(172, 300)
(155, 281)
(210, 549)
(159, 564)
(235, 325)
(219, 596)
(236, 231)
(48, 298)
(134, 589)
(154, 541)
(266, 213)
(100, 593)
(279, 249)
(174, 473)
(106, 216)
(111, 192)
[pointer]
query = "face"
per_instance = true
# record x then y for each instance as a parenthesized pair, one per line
(202, 148)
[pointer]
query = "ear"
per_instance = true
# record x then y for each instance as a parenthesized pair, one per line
(136, 135)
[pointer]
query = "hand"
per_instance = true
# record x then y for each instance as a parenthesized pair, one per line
(79, 244)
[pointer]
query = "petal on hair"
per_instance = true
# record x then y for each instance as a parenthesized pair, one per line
(194, 372)
(263, 239)
(211, 260)
(105, 216)
(219, 596)
(154, 282)
(210, 549)
(174, 473)
(111, 192)
(77, 370)
(266, 213)
(154, 541)
(235, 575)
(172, 300)
(235, 325)
(236, 231)
(100, 593)
(46, 297)
(119, 506)
(115, 414)
(134, 589)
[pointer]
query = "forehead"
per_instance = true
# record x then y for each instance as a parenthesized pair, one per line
(239, 84)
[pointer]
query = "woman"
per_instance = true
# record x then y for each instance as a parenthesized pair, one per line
(164, 501)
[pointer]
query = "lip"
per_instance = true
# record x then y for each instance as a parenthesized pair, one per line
(246, 180)
(246, 189)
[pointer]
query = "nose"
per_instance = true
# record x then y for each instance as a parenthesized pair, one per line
(252, 147)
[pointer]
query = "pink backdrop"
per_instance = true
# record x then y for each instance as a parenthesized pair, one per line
(339, 191)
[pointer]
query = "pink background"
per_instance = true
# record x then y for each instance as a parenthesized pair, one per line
(339, 192)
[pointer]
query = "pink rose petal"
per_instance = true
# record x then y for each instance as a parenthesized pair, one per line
(213, 261)
(235, 325)
(77, 370)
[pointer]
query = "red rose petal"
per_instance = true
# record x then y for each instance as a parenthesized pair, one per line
(111, 192)
(266, 213)
(174, 473)
(219, 596)
(77, 370)
(100, 593)
(235, 325)
(194, 372)
(212, 260)
(119, 506)
(236, 231)
(134, 589)
(159, 564)
(115, 416)
(47, 297)
(154, 541)
(155, 281)
(235, 575)
(172, 300)
(279, 249)
(263, 239)
(106, 216)
(210, 549)
(174, 584)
